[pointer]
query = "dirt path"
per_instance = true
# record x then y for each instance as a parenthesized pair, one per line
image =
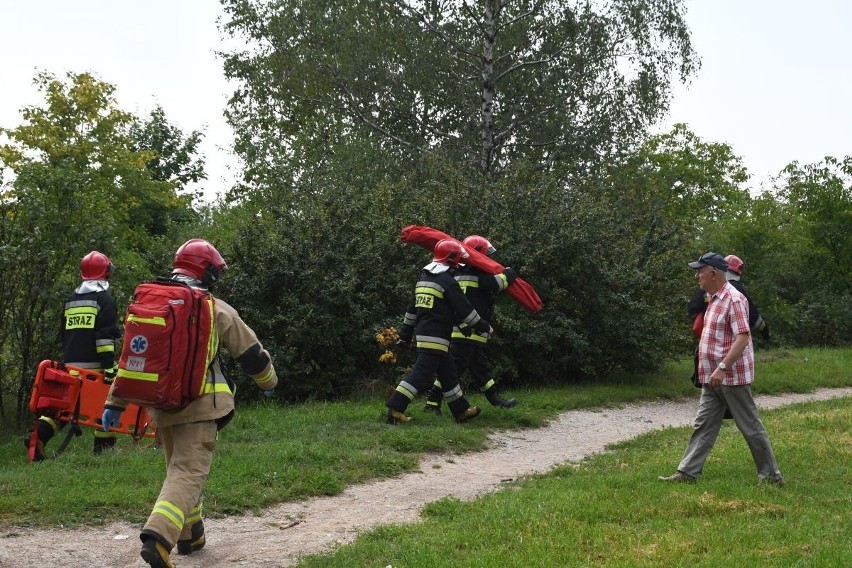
(286, 532)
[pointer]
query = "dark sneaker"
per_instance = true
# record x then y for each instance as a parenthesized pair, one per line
(397, 417)
(433, 407)
(195, 542)
(678, 477)
(471, 412)
(496, 400)
(155, 554)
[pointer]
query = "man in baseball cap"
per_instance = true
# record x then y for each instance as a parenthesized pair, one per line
(710, 259)
(726, 373)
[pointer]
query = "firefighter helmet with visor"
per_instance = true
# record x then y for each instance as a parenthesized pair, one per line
(480, 244)
(199, 259)
(450, 252)
(735, 264)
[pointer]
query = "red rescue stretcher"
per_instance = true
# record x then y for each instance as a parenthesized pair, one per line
(76, 396)
(520, 290)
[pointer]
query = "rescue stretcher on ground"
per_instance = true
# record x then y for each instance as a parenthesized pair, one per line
(76, 396)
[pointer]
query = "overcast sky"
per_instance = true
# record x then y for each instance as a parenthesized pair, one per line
(775, 83)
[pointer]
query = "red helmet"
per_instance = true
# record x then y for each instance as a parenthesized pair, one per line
(449, 252)
(735, 264)
(200, 260)
(480, 244)
(96, 266)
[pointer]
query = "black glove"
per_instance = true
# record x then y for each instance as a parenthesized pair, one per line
(765, 333)
(406, 333)
(467, 331)
(511, 274)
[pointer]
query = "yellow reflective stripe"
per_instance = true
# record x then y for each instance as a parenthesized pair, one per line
(106, 348)
(264, 381)
(430, 291)
(138, 375)
(473, 337)
(502, 281)
(405, 392)
(171, 512)
(430, 345)
(211, 387)
(88, 310)
(212, 349)
(50, 422)
(153, 321)
(194, 515)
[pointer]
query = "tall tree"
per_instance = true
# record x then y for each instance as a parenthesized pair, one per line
(483, 84)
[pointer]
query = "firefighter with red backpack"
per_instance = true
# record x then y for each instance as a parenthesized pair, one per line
(188, 433)
(468, 350)
(89, 331)
(437, 305)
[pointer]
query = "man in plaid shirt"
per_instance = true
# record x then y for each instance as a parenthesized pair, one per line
(725, 371)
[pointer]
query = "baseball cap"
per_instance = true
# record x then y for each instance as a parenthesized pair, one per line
(710, 259)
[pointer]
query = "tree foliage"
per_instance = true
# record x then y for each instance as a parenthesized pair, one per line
(481, 85)
(80, 181)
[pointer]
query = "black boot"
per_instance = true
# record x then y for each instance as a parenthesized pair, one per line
(462, 410)
(496, 400)
(195, 542)
(103, 443)
(155, 553)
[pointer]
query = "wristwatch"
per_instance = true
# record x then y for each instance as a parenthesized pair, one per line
(723, 366)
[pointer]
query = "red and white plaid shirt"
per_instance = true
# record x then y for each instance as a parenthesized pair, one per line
(725, 318)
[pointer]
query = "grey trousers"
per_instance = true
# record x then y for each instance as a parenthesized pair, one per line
(708, 422)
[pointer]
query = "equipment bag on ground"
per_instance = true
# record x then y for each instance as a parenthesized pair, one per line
(169, 344)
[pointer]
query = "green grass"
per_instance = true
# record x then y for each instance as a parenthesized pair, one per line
(271, 454)
(610, 511)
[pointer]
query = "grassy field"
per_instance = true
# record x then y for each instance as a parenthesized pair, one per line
(603, 512)
(610, 511)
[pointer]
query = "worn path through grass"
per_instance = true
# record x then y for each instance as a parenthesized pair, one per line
(282, 534)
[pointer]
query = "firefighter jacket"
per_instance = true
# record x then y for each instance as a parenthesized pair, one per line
(90, 327)
(437, 306)
(481, 289)
(218, 401)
